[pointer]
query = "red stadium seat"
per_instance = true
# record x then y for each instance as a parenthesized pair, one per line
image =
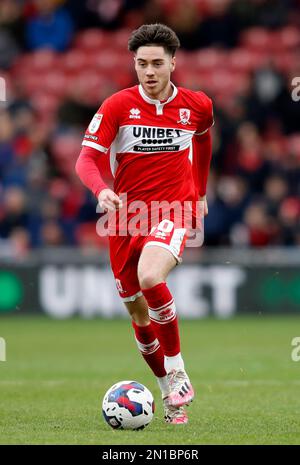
(65, 147)
(45, 103)
(74, 61)
(289, 37)
(30, 82)
(245, 60)
(290, 209)
(43, 59)
(294, 144)
(92, 86)
(31, 69)
(119, 39)
(52, 82)
(285, 61)
(55, 82)
(258, 39)
(208, 59)
(184, 59)
(92, 40)
(110, 60)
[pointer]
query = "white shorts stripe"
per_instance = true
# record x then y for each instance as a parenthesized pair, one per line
(132, 298)
(164, 246)
(177, 239)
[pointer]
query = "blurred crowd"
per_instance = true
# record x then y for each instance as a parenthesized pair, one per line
(61, 59)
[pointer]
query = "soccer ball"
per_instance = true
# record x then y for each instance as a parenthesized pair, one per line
(128, 405)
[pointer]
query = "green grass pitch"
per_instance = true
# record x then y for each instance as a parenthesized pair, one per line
(56, 373)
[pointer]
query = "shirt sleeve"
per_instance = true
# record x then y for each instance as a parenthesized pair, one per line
(202, 154)
(103, 128)
(206, 117)
(88, 171)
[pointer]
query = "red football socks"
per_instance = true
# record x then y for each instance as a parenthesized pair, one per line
(162, 313)
(150, 348)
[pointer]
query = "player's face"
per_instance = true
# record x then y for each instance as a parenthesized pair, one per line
(154, 67)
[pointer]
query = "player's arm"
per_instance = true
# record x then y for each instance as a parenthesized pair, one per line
(202, 154)
(98, 138)
(89, 174)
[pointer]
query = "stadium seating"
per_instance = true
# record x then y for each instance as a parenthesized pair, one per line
(98, 64)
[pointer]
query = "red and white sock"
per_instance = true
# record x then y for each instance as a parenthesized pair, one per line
(150, 348)
(162, 313)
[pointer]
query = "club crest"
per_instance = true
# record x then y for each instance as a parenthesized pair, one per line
(184, 115)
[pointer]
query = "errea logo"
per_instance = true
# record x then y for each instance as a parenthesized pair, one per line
(135, 113)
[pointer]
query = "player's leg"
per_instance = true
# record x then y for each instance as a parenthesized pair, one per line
(125, 272)
(147, 341)
(150, 348)
(124, 255)
(155, 263)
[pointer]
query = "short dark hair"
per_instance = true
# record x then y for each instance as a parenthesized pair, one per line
(154, 34)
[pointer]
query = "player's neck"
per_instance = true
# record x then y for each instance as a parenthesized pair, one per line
(163, 95)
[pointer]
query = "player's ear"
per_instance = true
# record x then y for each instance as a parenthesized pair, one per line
(173, 63)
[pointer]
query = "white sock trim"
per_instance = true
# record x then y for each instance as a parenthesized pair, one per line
(164, 386)
(175, 362)
(166, 313)
(148, 349)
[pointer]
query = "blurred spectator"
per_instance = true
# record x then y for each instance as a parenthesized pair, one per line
(249, 162)
(220, 28)
(261, 229)
(52, 234)
(14, 211)
(8, 50)
(215, 233)
(275, 190)
(267, 13)
(19, 242)
(243, 54)
(49, 26)
(185, 20)
(234, 194)
(11, 32)
(6, 138)
(289, 217)
(107, 14)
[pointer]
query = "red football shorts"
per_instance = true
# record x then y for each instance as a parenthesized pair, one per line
(125, 252)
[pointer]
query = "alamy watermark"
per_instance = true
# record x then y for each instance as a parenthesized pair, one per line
(295, 355)
(296, 91)
(2, 90)
(2, 350)
(139, 218)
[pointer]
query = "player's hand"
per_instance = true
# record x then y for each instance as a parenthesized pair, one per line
(205, 207)
(109, 201)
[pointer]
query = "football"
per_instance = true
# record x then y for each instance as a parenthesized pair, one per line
(128, 405)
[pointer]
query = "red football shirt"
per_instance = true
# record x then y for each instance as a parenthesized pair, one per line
(150, 142)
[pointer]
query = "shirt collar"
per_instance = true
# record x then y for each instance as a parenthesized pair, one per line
(158, 102)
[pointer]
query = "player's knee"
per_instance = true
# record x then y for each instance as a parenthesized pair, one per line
(139, 314)
(149, 278)
(140, 319)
